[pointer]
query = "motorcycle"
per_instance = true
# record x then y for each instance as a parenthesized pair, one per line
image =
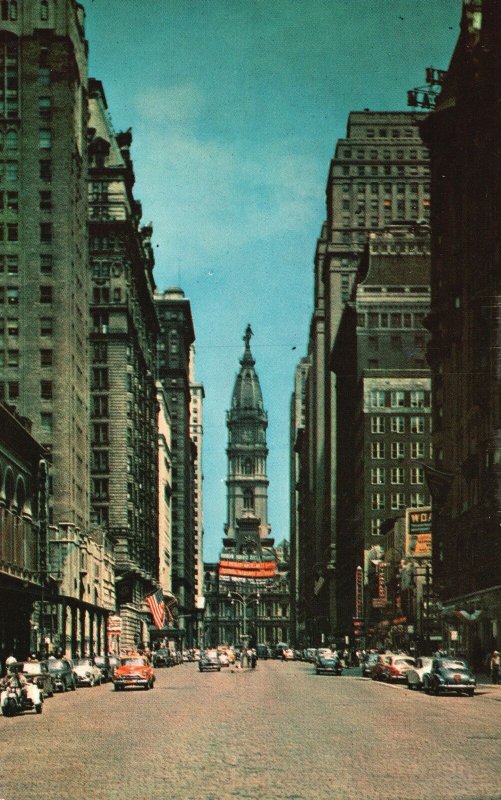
(16, 699)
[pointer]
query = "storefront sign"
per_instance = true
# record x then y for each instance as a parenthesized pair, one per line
(359, 592)
(418, 533)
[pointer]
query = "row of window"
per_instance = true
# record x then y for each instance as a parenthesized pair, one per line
(399, 398)
(391, 319)
(398, 501)
(10, 295)
(10, 326)
(398, 450)
(11, 358)
(398, 475)
(398, 424)
(385, 171)
(394, 133)
(398, 155)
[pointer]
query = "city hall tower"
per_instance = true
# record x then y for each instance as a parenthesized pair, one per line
(247, 529)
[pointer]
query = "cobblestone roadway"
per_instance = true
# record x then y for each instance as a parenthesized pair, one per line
(275, 733)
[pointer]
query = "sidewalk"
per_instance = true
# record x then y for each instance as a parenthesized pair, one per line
(485, 680)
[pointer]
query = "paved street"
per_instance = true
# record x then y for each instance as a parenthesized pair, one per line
(277, 732)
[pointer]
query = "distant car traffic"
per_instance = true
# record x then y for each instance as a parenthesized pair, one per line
(415, 677)
(62, 674)
(162, 658)
(449, 675)
(103, 663)
(133, 670)
(288, 654)
(209, 661)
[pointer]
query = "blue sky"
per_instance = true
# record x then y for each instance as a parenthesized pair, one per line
(235, 107)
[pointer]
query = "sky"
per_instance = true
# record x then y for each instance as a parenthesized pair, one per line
(235, 108)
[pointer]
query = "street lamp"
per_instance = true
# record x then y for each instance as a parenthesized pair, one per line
(244, 601)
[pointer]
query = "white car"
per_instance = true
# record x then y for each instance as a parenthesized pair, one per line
(415, 676)
(86, 672)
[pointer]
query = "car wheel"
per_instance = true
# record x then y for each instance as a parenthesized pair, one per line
(147, 686)
(73, 686)
(410, 686)
(38, 708)
(471, 692)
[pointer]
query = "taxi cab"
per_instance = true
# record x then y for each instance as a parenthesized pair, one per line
(133, 670)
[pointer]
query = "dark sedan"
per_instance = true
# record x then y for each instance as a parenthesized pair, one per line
(369, 660)
(328, 665)
(61, 670)
(449, 675)
(103, 662)
(209, 660)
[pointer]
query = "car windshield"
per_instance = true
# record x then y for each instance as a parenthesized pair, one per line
(400, 662)
(211, 654)
(449, 664)
(329, 660)
(100, 660)
(56, 664)
(132, 662)
(83, 662)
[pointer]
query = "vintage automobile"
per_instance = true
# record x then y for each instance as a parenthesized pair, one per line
(368, 662)
(449, 675)
(62, 674)
(133, 670)
(377, 669)
(415, 677)
(86, 672)
(396, 666)
(209, 660)
(103, 663)
(162, 658)
(37, 673)
(328, 664)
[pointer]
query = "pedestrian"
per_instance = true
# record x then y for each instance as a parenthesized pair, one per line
(494, 664)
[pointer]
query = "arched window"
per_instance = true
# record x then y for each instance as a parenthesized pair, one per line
(20, 495)
(11, 140)
(248, 466)
(248, 496)
(9, 487)
(13, 10)
(44, 10)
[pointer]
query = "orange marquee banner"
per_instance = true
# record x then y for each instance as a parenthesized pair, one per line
(247, 569)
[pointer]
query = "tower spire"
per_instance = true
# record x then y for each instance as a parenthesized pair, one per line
(247, 358)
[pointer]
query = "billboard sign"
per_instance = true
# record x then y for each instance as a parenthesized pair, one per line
(418, 533)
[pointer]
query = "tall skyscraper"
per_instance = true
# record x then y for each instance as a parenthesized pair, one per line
(44, 278)
(123, 339)
(176, 338)
(379, 175)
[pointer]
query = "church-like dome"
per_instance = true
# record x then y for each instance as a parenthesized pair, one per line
(247, 393)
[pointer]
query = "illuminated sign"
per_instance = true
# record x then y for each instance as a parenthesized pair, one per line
(418, 533)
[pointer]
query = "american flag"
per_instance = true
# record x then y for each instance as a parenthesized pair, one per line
(156, 605)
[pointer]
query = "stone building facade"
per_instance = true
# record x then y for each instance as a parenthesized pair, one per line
(463, 134)
(176, 338)
(383, 403)
(44, 283)
(124, 329)
(379, 175)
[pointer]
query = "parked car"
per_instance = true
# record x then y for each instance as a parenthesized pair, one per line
(328, 664)
(103, 663)
(87, 673)
(263, 651)
(288, 654)
(62, 674)
(37, 673)
(209, 660)
(311, 654)
(415, 676)
(396, 667)
(133, 670)
(377, 669)
(449, 675)
(367, 663)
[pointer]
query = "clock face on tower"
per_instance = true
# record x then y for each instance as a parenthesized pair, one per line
(247, 436)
